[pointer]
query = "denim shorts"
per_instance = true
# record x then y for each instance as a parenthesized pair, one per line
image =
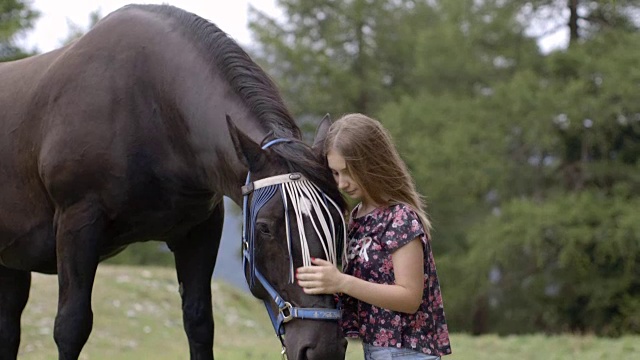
(388, 353)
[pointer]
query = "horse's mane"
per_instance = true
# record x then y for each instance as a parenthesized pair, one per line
(255, 88)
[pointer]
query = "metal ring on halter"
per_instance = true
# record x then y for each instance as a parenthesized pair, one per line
(289, 315)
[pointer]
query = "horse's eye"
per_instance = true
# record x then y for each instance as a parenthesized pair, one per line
(263, 229)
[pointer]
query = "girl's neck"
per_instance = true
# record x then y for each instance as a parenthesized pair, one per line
(366, 207)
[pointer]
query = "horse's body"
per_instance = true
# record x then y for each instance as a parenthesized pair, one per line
(121, 137)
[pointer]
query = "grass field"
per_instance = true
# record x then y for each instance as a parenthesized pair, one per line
(137, 316)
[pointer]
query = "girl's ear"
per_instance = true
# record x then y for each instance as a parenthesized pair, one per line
(321, 134)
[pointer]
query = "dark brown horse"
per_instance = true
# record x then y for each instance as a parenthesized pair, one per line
(121, 137)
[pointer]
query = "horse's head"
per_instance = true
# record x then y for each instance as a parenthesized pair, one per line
(292, 212)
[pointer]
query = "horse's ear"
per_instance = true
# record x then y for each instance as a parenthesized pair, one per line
(321, 134)
(247, 150)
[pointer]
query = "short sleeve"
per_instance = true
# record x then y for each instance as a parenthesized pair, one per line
(403, 225)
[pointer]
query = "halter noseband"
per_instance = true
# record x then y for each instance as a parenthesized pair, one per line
(303, 197)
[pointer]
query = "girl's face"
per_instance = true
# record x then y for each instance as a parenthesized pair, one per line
(340, 173)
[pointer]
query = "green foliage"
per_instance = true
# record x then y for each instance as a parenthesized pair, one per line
(568, 142)
(600, 127)
(16, 16)
(355, 56)
(339, 56)
(570, 263)
(587, 18)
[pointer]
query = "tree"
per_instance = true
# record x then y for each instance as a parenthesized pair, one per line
(561, 251)
(583, 18)
(570, 263)
(16, 17)
(339, 56)
(450, 138)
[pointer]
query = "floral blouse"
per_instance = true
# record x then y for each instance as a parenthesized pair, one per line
(372, 239)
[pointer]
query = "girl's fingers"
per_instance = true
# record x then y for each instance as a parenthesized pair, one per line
(310, 271)
(319, 267)
(313, 291)
(314, 279)
(306, 276)
(309, 285)
(306, 269)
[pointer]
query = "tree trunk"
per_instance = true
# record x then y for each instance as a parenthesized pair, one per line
(573, 22)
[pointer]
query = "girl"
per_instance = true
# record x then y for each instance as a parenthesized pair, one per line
(389, 287)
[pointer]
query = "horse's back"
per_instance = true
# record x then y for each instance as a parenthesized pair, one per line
(85, 124)
(115, 107)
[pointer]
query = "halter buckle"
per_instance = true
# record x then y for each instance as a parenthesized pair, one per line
(285, 310)
(283, 353)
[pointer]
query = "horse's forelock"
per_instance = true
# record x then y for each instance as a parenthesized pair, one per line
(304, 160)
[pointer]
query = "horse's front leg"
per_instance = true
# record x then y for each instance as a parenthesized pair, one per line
(14, 293)
(80, 231)
(195, 257)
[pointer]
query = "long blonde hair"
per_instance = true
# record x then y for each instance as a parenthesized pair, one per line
(373, 162)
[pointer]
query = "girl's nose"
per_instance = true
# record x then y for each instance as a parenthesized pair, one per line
(342, 183)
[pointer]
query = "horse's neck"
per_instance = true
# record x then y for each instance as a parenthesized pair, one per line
(211, 136)
(209, 100)
(204, 98)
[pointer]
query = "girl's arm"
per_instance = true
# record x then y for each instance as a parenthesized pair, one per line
(405, 295)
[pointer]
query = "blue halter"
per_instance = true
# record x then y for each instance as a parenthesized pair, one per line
(286, 312)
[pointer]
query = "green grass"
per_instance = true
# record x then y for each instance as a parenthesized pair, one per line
(137, 316)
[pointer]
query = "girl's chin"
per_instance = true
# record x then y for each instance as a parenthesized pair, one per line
(353, 196)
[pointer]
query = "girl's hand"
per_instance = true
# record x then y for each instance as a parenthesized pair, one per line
(323, 278)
